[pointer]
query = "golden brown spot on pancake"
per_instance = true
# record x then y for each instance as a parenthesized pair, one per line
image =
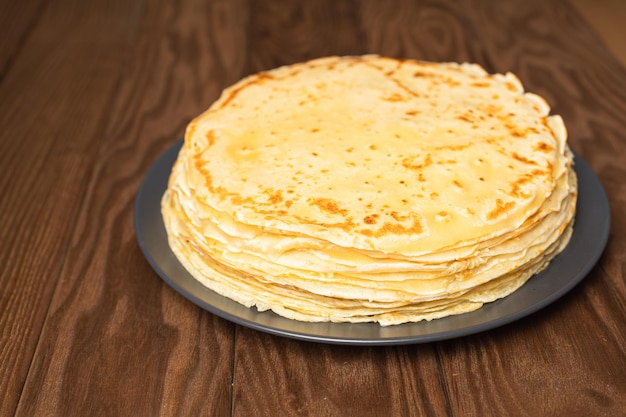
(415, 228)
(412, 112)
(327, 205)
(371, 219)
(523, 159)
(546, 123)
(519, 132)
(315, 130)
(452, 82)
(442, 216)
(208, 181)
(288, 203)
(467, 117)
(395, 97)
(397, 217)
(259, 79)
(491, 140)
(264, 75)
(490, 109)
(458, 184)
(240, 201)
(314, 153)
(349, 150)
(273, 213)
(274, 197)
(501, 208)
(411, 162)
(210, 136)
(511, 87)
(480, 84)
(516, 187)
(348, 224)
(543, 147)
(516, 190)
(373, 147)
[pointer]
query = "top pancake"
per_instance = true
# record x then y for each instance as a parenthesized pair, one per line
(376, 154)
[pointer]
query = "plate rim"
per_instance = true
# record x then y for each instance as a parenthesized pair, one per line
(592, 202)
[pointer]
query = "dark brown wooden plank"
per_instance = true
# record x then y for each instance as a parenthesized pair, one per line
(539, 366)
(431, 31)
(282, 377)
(17, 20)
(52, 106)
(118, 340)
(283, 32)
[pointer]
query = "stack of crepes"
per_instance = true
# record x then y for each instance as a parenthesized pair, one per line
(358, 189)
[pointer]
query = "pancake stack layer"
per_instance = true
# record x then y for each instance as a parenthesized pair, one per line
(369, 189)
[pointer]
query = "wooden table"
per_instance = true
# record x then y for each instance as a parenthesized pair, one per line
(92, 92)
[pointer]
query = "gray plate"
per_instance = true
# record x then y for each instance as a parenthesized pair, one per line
(591, 232)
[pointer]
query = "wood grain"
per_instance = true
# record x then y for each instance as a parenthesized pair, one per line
(289, 378)
(92, 92)
(113, 326)
(45, 163)
(15, 32)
